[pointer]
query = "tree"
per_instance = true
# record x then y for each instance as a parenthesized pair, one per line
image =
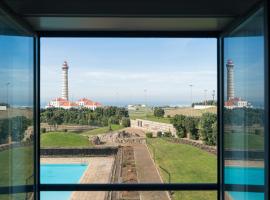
(125, 122)
(178, 122)
(191, 125)
(159, 112)
(208, 128)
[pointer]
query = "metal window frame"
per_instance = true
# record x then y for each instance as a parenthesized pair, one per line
(219, 186)
(248, 188)
(200, 187)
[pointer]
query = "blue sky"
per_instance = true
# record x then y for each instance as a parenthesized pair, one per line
(247, 55)
(16, 70)
(121, 71)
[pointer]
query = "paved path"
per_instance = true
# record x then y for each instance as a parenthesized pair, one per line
(147, 173)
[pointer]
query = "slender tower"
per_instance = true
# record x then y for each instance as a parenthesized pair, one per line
(230, 79)
(65, 80)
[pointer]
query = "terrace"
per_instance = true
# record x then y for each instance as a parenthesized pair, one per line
(170, 157)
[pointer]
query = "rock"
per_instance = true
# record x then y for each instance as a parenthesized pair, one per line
(95, 140)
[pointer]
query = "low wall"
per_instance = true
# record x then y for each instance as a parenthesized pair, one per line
(95, 151)
(4, 147)
(62, 127)
(151, 126)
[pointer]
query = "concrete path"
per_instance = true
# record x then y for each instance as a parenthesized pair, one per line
(147, 173)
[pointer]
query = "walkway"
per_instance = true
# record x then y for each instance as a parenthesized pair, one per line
(147, 173)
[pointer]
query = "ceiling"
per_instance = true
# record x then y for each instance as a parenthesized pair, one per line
(129, 15)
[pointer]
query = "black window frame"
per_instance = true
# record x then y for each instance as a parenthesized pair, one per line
(219, 186)
(200, 187)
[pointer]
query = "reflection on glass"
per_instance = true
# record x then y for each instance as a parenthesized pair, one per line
(244, 107)
(16, 111)
(135, 195)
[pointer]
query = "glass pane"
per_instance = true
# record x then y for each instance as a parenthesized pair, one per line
(244, 106)
(16, 110)
(128, 110)
(132, 195)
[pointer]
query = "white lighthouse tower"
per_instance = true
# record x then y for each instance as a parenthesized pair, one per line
(230, 79)
(65, 80)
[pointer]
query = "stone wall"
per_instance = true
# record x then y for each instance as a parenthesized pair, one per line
(62, 127)
(4, 147)
(94, 151)
(151, 126)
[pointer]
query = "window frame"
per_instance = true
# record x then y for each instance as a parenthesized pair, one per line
(219, 186)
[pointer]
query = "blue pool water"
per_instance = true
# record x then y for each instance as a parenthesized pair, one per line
(60, 173)
(245, 175)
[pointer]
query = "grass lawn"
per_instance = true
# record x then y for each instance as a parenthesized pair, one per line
(243, 141)
(186, 164)
(63, 139)
(188, 111)
(15, 167)
(155, 119)
(102, 130)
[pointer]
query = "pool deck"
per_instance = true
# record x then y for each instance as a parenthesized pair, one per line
(98, 171)
(244, 163)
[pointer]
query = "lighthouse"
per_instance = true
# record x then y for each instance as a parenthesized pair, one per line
(230, 79)
(65, 80)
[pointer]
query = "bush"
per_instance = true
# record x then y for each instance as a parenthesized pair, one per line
(191, 125)
(178, 122)
(159, 134)
(149, 135)
(159, 112)
(125, 122)
(168, 134)
(208, 128)
(258, 132)
(43, 130)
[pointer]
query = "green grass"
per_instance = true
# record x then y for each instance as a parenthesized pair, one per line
(243, 141)
(157, 119)
(16, 165)
(186, 164)
(64, 139)
(102, 130)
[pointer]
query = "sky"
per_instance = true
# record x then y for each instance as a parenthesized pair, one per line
(122, 71)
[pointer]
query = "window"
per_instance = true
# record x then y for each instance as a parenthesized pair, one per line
(16, 112)
(244, 110)
(129, 110)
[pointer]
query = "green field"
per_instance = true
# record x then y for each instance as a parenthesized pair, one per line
(147, 114)
(102, 130)
(243, 141)
(15, 168)
(186, 164)
(64, 139)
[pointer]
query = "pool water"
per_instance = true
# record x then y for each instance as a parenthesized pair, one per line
(245, 176)
(60, 173)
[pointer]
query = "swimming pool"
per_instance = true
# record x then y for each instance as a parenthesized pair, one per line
(60, 173)
(244, 176)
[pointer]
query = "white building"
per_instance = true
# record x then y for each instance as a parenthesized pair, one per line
(82, 103)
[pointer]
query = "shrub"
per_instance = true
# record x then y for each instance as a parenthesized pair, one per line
(125, 122)
(168, 134)
(149, 135)
(159, 112)
(43, 130)
(258, 132)
(159, 134)
(208, 128)
(191, 125)
(178, 122)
